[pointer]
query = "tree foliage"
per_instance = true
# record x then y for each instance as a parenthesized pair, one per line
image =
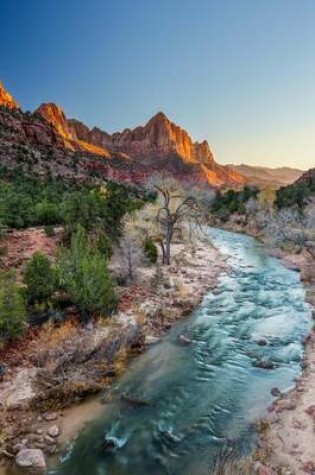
(12, 308)
(83, 274)
(39, 278)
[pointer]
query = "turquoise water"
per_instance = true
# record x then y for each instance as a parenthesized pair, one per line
(199, 398)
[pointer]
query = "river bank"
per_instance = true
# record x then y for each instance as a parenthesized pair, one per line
(287, 434)
(288, 438)
(58, 367)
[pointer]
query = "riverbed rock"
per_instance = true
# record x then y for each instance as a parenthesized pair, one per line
(262, 342)
(49, 440)
(275, 392)
(262, 469)
(53, 431)
(151, 340)
(264, 364)
(30, 458)
(309, 467)
(18, 447)
(50, 416)
(183, 339)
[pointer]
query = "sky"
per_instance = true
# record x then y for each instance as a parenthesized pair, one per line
(238, 73)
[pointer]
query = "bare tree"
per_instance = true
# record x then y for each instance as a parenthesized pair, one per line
(178, 212)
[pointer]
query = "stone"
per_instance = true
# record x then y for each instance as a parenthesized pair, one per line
(275, 392)
(309, 467)
(53, 431)
(30, 458)
(50, 416)
(264, 364)
(151, 340)
(49, 440)
(183, 339)
(262, 342)
(262, 469)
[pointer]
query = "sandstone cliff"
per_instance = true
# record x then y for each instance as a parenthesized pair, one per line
(6, 99)
(161, 144)
(53, 114)
(132, 155)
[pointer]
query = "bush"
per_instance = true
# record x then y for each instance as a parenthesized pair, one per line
(47, 213)
(104, 246)
(12, 308)
(83, 274)
(150, 250)
(39, 278)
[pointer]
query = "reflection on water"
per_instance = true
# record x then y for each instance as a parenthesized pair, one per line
(177, 406)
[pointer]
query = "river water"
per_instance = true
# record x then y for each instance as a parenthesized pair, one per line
(195, 400)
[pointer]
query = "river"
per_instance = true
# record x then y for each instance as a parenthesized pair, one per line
(177, 406)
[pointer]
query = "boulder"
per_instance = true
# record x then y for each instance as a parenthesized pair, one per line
(53, 431)
(30, 458)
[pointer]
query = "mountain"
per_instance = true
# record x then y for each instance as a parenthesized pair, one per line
(161, 145)
(264, 176)
(58, 145)
(56, 117)
(307, 178)
(6, 99)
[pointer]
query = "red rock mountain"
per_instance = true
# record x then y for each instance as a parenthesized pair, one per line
(56, 117)
(6, 99)
(159, 145)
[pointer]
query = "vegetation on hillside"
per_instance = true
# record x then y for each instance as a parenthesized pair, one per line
(285, 216)
(92, 219)
(297, 194)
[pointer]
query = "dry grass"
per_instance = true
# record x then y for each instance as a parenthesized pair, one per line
(225, 464)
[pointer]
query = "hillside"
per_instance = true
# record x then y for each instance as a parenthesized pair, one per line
(262, 176)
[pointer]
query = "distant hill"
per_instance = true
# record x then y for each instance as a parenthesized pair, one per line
(298, 193)
(264, 176)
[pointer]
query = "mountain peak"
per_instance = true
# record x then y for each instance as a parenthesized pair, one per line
(6, 99)
(55, 115)
(158, 118)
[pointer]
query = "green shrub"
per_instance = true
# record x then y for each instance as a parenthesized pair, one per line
(47, 213)
(83, 274)
(104, 246)
(12, 308)
(39, 279)
(150, 250)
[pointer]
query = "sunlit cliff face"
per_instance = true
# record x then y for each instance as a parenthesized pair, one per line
(159, 145)
(56, 117)
(6, 99)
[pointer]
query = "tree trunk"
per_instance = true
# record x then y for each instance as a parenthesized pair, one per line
(168, 251)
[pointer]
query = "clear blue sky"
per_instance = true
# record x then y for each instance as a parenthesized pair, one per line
(240, 73)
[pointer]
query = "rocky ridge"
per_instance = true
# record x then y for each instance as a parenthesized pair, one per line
(6, 99)
(131, 155)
